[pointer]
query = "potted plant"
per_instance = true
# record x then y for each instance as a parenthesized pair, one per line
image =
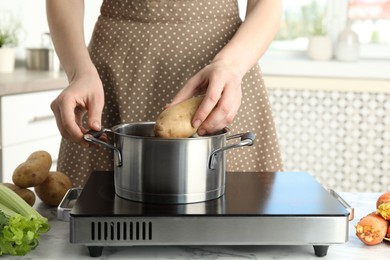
(320, 45)
(8, 41)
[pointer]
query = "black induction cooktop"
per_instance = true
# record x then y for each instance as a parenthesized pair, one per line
(258, 208)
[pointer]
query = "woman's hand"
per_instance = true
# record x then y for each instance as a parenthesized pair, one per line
(221, 79)
(83, 95)
(221, 85)
(85, 91)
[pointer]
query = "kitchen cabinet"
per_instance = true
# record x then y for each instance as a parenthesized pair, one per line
(27, 125)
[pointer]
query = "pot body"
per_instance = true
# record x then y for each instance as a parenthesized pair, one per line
(168, 170)
(42, 59)
(160, 170)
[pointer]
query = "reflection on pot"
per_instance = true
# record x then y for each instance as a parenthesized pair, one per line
(136, 208)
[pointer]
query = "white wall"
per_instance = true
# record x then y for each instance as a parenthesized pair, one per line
(32, 15)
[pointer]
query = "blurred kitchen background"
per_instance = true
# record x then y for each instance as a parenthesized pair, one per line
(327, 73)
(31, 16)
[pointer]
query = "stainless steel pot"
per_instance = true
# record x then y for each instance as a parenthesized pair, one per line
(42, 59)
(163, 170)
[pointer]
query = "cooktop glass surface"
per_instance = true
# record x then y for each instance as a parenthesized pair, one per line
(247, 194)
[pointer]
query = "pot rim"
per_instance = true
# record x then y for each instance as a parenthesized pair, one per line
(115, 129)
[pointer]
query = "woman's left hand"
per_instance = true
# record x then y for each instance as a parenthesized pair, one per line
(221, 85)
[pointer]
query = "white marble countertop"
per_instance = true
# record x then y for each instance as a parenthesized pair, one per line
(55, 244)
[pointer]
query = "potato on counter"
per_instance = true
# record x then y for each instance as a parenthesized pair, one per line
(383, 205)
(33, 171)
(26, 194)
(53, 189)
(372, 229)
(375, 227)
(175, 121)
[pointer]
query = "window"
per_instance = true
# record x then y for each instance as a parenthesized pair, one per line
(302, 18)
(371, 19)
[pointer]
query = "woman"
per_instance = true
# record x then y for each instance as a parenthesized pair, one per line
(145, 54)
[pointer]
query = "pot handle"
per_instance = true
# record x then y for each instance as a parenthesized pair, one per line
(247, 139)
(93, 136)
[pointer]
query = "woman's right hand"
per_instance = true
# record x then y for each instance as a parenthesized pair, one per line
(84, 95)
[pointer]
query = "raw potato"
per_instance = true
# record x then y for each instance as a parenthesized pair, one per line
(26, 194)
(53, 189)
(388, 234)
(175, 121)
(33, 171)
(383, 205)
(372, 229)
(384, 198)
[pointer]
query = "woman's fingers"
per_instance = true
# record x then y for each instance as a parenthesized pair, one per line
(222, 88)
(210, 101)
(57, 114)
(84, 95)
(221, 102)
(223, 112)
(71, 117)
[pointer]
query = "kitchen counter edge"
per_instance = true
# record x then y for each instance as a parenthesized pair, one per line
(22, 81)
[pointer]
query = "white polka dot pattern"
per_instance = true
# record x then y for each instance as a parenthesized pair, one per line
(144, 52)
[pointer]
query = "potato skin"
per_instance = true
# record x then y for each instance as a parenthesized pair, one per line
(26, 194)
(388, 232)
(383, 198)
(175, 121)
(53, 189)
(33, 171)
(383, 205)
(372, 229)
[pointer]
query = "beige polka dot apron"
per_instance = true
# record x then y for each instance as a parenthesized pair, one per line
(145, 50)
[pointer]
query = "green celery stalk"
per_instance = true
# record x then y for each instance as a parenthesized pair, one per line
(20, 224)
(14, 202)
(7, 211)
